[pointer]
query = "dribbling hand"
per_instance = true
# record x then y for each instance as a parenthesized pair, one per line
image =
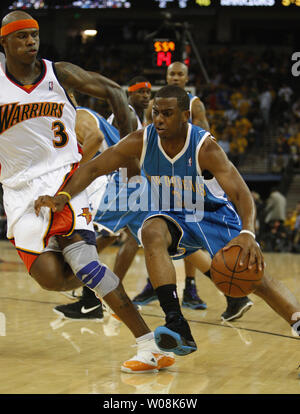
(249, 247)
(56, 203)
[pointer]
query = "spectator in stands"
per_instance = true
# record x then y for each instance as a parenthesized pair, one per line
(279, 238)
(265, 102)
(275, 209)
(296, 233)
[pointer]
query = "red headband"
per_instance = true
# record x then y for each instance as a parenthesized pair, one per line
(140, 85)
(19, 25)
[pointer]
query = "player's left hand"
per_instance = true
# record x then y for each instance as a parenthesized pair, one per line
(56, 203)
(249, 247)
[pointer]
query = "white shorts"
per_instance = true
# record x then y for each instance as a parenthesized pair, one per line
(96, 191)
(30, 234)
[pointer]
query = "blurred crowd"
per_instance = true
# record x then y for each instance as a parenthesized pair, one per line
(252, 99)
(253, 105)
(277, 228)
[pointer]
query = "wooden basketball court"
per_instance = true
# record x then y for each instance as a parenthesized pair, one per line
(43, 354)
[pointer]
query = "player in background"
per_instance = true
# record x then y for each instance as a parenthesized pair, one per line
(177, 74)
(39, 150)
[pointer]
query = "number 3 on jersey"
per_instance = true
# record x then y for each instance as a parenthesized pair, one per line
(59, 133)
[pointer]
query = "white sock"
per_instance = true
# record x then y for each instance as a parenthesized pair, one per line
(146, 337)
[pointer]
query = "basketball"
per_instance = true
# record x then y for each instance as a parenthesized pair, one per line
(229, 277)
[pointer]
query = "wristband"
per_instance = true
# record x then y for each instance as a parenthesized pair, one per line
(248, 232)
(66, 194)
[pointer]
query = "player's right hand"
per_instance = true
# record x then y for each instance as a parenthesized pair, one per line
(56, 203)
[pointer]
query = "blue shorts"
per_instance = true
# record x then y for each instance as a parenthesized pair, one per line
(212, 233)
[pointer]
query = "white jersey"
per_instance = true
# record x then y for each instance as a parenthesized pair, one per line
(37, 128)
(111, 118)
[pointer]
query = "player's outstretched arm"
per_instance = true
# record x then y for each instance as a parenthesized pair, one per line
(94, 84)
(214, 159)
(127, 150)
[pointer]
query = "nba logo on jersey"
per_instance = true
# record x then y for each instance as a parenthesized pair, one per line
(50, 86)
(190, 162)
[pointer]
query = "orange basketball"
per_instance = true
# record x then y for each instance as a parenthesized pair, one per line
(229, 277)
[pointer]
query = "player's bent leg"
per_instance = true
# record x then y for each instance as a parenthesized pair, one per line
(190, 297)
(176, 335)
(51, 272)
(279, 298)
(125, 255)
(83, 259)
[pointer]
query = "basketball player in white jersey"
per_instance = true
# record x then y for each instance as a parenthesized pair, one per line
(39, 151)
(90, 135)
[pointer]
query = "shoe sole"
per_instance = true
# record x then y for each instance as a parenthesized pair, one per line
(170, 341)
(239, 314)
(145, 302)
(188, 305)
(76, 319)
(163, 362)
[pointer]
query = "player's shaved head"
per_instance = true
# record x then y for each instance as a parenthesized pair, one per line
(178, 66)
(14, 16)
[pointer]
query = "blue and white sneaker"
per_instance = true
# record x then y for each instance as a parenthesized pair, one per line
(175, 336)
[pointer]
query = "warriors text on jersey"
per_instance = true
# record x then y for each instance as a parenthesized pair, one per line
(36, 128)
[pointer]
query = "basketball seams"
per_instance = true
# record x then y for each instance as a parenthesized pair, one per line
(236, 278)
(236, 286)
(230, 281)
(233, 270)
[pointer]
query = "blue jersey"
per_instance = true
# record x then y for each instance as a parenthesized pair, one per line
(181, 172)
(111, 134)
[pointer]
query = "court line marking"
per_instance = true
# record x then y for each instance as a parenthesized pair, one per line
(231, 327)
(162, 317)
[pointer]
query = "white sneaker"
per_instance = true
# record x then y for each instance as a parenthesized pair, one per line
(149, 358)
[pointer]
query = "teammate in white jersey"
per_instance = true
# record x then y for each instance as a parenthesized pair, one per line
(39, 152)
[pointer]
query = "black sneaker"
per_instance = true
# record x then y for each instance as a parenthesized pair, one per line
(175, 336)
(146, 296)
(191, 299)
(236, 307)
(81, 310)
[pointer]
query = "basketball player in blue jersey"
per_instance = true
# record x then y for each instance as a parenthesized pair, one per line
(39, 149)
(177, 74)
(171, 147)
